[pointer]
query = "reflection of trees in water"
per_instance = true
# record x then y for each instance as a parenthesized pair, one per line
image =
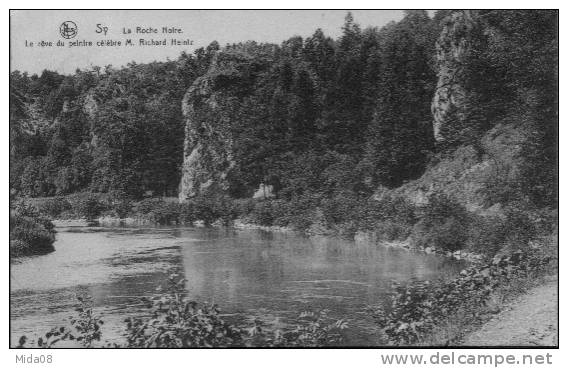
(246, 272)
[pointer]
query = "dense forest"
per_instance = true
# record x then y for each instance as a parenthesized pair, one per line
(336, 117)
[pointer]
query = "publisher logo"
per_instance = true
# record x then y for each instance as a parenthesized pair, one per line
(68, 29)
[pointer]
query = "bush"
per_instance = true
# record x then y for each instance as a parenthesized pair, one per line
(450, 235)
(519, 228)
(501, 186)
(299, 213)
(54, 207)
(175, 322)
(119, 203)
(263, 213)
(486, 235)
(187, 213)
(165, 213)
(270, 212)
(342, 214)
(389, 217)
(244, 207)
(146, 206)
(443, 224)
(390, 230)
(546, 220)
(88, 207)
(225, 209)
(159, 211)
(30, 232)
(340, 209)
(30, 235)
(205, 208)
(417, 308)
(85, 329)
(387, 209)
(513, 230)
(178, 323)
(121, 208)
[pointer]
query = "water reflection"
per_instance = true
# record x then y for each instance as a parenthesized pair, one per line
(272, 276)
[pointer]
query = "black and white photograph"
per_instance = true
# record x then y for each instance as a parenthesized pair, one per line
(284, 179)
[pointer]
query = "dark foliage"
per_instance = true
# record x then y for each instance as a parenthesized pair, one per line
(312, 117)
(444, 223)
(30, 232)
(418, 307)
(298, 114)
(89, 207)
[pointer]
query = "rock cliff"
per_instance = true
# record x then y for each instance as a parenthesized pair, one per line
(208, 147)
(452, 50)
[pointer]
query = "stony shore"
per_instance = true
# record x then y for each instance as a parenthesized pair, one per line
(243, 225)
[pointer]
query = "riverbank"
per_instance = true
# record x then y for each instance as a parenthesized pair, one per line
(441, 225)
(460, 305)
(531, 319)
(296, 265)
(31, 233)
(444, 312)
(507, 251)
(239, 224)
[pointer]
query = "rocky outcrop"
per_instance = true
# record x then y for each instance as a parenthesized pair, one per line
(207, 106)
(264, 191)
(90, 105)
(452, 50)
(470, 178)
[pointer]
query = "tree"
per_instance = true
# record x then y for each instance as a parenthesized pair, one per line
(400, 135)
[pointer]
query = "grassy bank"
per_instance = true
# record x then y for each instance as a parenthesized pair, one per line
(441, 313)
(441, 224)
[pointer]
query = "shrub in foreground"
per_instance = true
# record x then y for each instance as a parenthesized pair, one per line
(176, 322)
(417, 308)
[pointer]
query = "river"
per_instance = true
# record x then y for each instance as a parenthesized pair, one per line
(248, 273)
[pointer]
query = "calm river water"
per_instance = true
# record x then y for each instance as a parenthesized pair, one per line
(273, 276)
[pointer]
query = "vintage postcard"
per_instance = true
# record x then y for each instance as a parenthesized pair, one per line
(284, 178)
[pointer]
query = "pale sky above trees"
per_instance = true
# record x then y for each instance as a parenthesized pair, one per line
(200, 26)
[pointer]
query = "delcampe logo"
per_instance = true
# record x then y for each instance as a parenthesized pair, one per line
(68, 29)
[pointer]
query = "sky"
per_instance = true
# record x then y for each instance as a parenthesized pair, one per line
(199, 26)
